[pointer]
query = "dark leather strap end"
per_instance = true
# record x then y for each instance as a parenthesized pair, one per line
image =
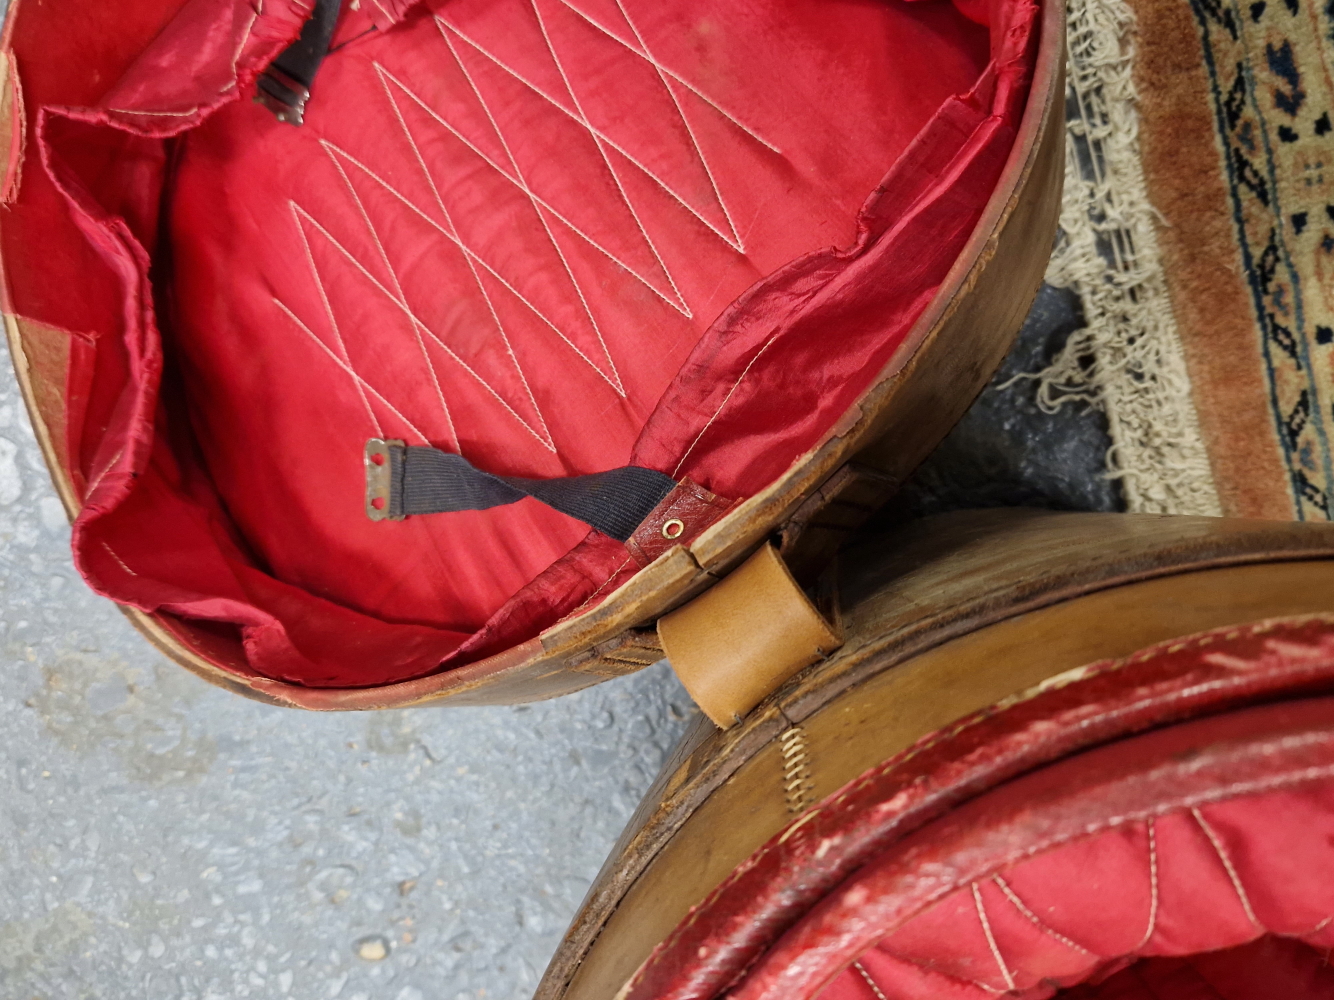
(284, 88)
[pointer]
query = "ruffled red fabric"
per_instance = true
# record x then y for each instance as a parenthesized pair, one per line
(555, 237)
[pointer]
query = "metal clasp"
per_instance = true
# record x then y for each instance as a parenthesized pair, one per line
(282, 94)
(383, 460)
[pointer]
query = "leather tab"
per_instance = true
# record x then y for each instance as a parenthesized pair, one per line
(738, 641)
(683, 514)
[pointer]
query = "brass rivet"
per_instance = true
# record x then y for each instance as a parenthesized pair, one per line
(673, 528)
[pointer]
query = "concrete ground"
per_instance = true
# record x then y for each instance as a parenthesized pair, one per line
(163, 840)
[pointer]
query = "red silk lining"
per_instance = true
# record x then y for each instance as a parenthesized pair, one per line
(557, 237)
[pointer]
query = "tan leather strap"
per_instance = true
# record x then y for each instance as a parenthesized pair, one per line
(737, 642)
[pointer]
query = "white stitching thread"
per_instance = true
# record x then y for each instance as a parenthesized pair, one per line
(164, 114)
(930, 970)
(1019, 905)
(481, 287)
(103, 474)
(614, 574)
(648, 57)
(1153, 885)
(679, 304)
(333, 320)
(598, 140)
(361, 382)
(236, 56)
(869, 981)
(472, 256)
(398, 287)
(119, 561)
(453, 238)
(414, 318)
(991, 939)
(1227, 864)
(676, 102)
(736, 385)
(615, 378)
(597, 133)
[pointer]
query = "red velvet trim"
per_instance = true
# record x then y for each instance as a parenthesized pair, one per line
(728, 394)
(922, 793)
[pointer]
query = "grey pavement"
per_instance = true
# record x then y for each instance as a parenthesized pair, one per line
(161, 839)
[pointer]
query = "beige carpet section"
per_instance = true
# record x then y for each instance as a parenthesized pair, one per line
(1199, 232)
(1238, 148)
(1128, 361)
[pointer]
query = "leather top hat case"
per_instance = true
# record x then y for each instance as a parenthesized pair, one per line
(392, 351)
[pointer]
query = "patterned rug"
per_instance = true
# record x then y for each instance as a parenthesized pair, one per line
(1199, 233)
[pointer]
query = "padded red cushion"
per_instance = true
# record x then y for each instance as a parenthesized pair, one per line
(1250, 870)
(1268, 967)
(557, 236)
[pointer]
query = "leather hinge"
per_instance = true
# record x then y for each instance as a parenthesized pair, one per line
(740, 640)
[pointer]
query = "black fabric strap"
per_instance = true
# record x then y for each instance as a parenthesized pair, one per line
(284, 87)
(429, 481)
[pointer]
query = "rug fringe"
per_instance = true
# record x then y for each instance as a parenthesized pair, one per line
(1128, 360)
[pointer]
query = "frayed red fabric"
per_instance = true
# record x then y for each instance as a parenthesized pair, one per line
(556, 237)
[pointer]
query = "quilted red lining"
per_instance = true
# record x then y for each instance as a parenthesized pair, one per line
(559, 237)
(1249, 875)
